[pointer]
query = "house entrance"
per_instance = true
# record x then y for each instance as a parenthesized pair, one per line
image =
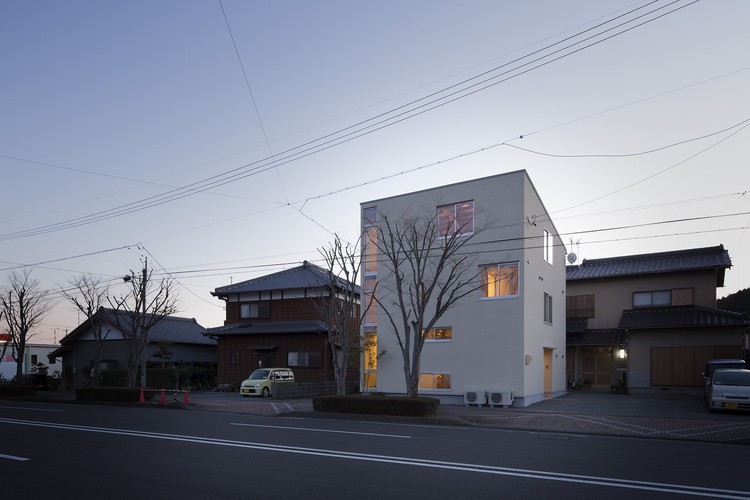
(596, 366)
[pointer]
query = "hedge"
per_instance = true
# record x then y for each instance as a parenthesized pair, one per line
(378, 405)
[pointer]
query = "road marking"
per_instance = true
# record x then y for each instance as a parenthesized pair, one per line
(28, 408)
(678, 489)
(13, 457)
(323, 430)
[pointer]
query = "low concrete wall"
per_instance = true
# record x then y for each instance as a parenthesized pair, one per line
(298, 390)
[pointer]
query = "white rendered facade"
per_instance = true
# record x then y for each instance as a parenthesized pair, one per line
(508, 335)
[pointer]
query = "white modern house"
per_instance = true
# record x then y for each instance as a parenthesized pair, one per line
(506, 339)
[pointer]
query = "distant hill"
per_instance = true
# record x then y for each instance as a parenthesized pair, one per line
(736, 302)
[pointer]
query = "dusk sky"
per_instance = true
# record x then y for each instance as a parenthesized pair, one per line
(229, 139)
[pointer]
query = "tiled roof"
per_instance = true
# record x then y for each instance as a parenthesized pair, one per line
(305, 276)
(595, 337)
(576, 325)
(664, 262)
(271, 327)
(679, 317)
(170, 329)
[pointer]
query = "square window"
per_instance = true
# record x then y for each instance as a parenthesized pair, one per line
(456, 218)
(500, 280)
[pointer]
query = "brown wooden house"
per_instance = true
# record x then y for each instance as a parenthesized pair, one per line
(276, 321)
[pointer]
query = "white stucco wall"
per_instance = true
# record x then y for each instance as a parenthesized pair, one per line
(491, 336)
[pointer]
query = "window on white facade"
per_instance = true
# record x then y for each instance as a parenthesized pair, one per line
(456, 218)
(500, 280)
(547, 308)
(369, 216)
(434, 381)
(548, 246)
(371, 359)
(438, 334)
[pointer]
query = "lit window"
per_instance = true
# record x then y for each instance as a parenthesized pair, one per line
(547, 308)
(456, 218)
(500, 280)
(548, 246)
(437, 334)
(371, 359)
(434, 381)
(370, 242)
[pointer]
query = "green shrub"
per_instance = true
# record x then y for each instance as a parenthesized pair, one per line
(163, 378)
(118, 394)
(17, 390)
(114, 378)
(377, 405)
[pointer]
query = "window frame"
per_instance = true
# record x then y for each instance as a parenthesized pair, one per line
(433, 375)
(549, 247)
(263, 308)
(651, 295)
(484, 285)
(548, 311)
(451, 223)
(433, 339)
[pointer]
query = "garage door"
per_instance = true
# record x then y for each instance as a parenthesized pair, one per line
(682, 366)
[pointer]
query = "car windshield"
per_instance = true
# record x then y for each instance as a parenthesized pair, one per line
(732, 378)
(259, 374)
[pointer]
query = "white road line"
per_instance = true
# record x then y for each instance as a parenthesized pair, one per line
(323, 430)
(13, 457)
(27, 408)
(677, 489)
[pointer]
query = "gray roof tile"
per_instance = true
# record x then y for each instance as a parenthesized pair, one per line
(270, 327)
(679, 317)
(651, 263)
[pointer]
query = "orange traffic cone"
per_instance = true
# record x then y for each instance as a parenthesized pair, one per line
(162, 398)
(186, 401)
(140, 398)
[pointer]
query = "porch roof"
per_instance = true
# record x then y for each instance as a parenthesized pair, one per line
(679, 317)
(270, 327)
(606, 337)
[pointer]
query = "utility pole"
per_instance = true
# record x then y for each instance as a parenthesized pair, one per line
(143, 321)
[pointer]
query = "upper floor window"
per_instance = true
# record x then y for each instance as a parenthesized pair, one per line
(548, 246)
(580, 306)
(250, 310)
(456, 218)
(369, 216)
(547, 308)
(652, 299)
(436, 334)
(500, 280)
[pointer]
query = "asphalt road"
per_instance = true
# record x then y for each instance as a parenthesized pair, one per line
(79, 451)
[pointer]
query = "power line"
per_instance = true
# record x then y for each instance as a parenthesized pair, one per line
(365, 127)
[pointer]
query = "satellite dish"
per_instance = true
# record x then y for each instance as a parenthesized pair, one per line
(572, 257)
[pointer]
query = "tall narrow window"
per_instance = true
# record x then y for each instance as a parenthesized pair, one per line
(500, 280)
(371, 359)
(548, 246)
(547, 308)
(456, 218)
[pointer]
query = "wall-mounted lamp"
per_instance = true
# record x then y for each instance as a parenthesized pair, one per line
(621, 353)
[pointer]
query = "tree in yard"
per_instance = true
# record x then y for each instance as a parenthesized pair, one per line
(24, 304)
(425, 268)
(339, 305)
(138, 311)
(88, 295)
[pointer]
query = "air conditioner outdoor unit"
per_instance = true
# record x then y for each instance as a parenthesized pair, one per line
(478, 398)
(501, 398)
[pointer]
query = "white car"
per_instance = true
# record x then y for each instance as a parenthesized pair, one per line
(728, 390)
(259, 383)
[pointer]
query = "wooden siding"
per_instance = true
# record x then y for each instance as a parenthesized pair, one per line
(681, 366)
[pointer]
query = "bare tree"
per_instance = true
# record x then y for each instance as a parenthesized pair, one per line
(24, 305)
(88, 295)
(427, 270)
(340, 306)
(138, 311)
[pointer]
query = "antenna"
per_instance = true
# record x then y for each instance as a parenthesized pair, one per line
(572, 257)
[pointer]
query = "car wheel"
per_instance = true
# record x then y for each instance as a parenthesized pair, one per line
(266, 392)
